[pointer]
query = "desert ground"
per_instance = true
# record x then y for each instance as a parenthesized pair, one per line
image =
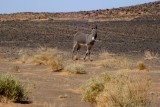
(136, 40)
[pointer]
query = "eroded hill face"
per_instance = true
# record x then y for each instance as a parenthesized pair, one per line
(139, 12)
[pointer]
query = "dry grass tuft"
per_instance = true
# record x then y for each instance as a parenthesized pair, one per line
(142, 66)
(55, 64)
(44, 56)
(23, 56)
(150, 55)
(115, 62)
(4, 99)
(75, 68)
(49, 57)
(105, 55)
(124, 89)
(92, 87)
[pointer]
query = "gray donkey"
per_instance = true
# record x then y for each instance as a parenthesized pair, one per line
(82, 39)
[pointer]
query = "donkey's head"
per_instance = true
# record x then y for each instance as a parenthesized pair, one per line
(94, 33)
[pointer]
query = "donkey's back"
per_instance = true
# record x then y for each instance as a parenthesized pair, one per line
(80, 38)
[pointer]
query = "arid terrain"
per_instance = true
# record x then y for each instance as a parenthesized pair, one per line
(130, 32)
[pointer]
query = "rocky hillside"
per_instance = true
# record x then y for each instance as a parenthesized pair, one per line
(149, 11)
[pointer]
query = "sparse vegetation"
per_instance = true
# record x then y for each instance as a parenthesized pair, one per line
(124, 89)
(150, 55)
(23, 56)
(115, 62)
(49, 57)
(45, 56)
(11, 89)
(75, 68)
(142, 66)
(15, 68)
(92, 87)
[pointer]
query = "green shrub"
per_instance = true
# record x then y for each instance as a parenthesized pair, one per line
(11, 88)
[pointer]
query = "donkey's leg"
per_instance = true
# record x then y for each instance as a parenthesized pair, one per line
(73, 50)
(89, 55)
(78, 48)
(88, 52)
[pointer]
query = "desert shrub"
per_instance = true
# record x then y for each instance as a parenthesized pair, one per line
(115, 62)
(44, 56)
(23, 56)
(50, 57)
(75, 68)
(141, 66)
(55, 63)
(150, 55)
(125, 90)
(119, 90)
(11, 89)
(92, 87)
(105, 55)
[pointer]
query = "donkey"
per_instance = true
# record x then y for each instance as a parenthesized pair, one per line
(82, 39)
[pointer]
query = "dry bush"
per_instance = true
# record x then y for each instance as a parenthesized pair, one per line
(120, 90)
(105, 55)
(150, 55)
(11, 89)
(141, 66)
(50, 57)
(44, 56)
(23, 56)
(120, 62)
(92, 87)
(115, 62)
(75, 68)
(125, 90)
(55, 64)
